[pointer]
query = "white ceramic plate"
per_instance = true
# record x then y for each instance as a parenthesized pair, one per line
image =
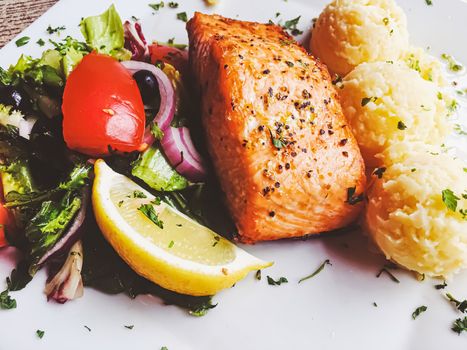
(334, 310)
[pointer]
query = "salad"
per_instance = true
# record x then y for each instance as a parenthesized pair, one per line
(143, 219)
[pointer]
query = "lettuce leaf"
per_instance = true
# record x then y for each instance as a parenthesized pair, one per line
(104, 33)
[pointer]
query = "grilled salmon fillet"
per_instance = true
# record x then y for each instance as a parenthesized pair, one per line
(286, 159)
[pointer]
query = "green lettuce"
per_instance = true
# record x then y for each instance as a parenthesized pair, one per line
(104, 33)
(156, 172)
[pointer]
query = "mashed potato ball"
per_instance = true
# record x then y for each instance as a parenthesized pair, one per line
(429, 67)
(388, 102)
(350, 32)
(415, 210)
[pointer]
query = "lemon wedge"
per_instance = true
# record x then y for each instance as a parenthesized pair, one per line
(162, 244)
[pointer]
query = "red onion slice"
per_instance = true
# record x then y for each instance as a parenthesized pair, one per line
(135, 41)
(167, 107)
(182, 155)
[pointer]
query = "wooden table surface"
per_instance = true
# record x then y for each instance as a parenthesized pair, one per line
(15, 15)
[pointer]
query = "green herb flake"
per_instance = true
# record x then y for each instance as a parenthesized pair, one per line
(374, 304)
(40, 333)
(202, 310)
(277, 141)
(367, 100)
(138, 194)
(352, 198)
(460, 325)
(401, 125)
(449, 199)
(157, 6)
(173, 5)
(441, 286)
(89, 329)
(452, 64)
(40, 42)
(150, 213)
(129, 327)
(386, 21)
(429, 2)
(272, 282)
(391, 276)
(164, 348)
(51, 30)
(460, 130)
(182, 16)
(6, 302)
(418, 311)
(22, 41)
(439, 95)
(120, 203)
(216, 240)
(317, 271)
(460, 305)
(258, 275)
(379, 172)
(291, 25)
(134, 18)
(156, 201)
(171, 244)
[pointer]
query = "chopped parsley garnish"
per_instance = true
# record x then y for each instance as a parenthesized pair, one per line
(6, 302)
(216, 240)
(367, 100)
(150, 213)
(291, 25)
(40, 333)
(258, 275)
(182, 16)
(281, 280)
(129, 327)
(164, 348)
(89, 329)
(452, 107)
(171, 244)
(460, 325)
(171, 42)
(418, 311)
(441, 286)
(157, 6)
(374, 304)
(449, 199)
(460, 130)
(120, 203)
(391, 276)
(138, 194)
(318, 270)
(352, 198)
(40, 42)
(134, 18)
(22, 41)
(157, 201)
(202, 310)
(401, 125)
(57, 30)
(429, 2)
(173, 5)
(379, 172)
(277, 142)
(452, 64)
(460, 305)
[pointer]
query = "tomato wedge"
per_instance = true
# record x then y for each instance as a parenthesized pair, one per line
(102, 108)
(171, 55)
(6, 222)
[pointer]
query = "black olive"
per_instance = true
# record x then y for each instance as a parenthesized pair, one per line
(15, 97)
(148, 87)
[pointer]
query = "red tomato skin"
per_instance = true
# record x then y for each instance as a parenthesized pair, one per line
(171, 55)
(6, 222)
(102, 108)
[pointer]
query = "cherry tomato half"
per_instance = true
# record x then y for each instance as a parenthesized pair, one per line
(171, 55)
(6, 222)
(102, 108)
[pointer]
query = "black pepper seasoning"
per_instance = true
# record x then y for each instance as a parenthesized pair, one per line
(272, 213)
